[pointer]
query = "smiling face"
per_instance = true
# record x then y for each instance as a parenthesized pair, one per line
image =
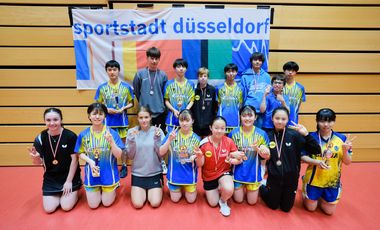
(280, 119)
(186, 123)
(218, 129)
(325, 126)
(97, 117)
(53, 122)
(144, 119)
(247, 118)
(277, 86)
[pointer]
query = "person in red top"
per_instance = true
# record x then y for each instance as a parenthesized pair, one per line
(218, 153)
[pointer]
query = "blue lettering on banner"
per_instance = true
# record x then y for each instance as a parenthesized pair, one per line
(182, 26)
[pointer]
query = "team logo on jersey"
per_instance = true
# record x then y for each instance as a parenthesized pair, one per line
(272, 145)
(64, 146)
(197, 97)
(336, 148)
(208, 154)
(288, 144)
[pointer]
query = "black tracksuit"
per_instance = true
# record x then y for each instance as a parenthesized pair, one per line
(204, 117)
(282, 182)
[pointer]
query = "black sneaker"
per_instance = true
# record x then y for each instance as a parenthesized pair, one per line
(123, 171)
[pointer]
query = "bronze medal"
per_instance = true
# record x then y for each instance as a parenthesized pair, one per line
(55, 162)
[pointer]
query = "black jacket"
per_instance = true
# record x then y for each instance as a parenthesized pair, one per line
(294, 143)
(203, 118)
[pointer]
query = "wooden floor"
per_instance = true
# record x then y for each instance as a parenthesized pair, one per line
(21, 208)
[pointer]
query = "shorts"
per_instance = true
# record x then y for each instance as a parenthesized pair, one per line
(214, 184)
(109, 188)
(122, 131)
(331, 195)
(190, 188)
(56, 192)
(155, 181)
(249, 186)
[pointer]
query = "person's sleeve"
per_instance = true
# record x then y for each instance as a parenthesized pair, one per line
(117, 139)
(38, 145)
(78, 145)
(311, 145)
(136, 86)
(72, 142)
(98, 95)
(130, 95)
(303, 94)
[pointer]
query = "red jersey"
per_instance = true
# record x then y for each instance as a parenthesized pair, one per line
(215, 164)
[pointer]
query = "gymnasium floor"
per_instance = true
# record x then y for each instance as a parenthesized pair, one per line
(21, 208)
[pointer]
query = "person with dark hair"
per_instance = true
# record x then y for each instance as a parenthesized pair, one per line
(218, 152)
(273, 98)
(230, 98)
(143, 147)
(178, 94)
(148, 85)
(254, 81)
(294, 90)
(99, 146)
(205, 104)
(117, 96)
(284, 164)
(321, 183)
(254, 143)
(183, 146)
(53, 148)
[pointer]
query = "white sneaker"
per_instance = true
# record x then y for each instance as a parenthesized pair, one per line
(164, 168)
(224, 209)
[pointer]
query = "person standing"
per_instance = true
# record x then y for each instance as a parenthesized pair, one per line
(148, 85)
(294, 90)
(205, 104)
(117, 96)
(254, 81)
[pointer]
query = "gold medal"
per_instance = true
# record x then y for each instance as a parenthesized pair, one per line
(55, 162)
(96, 153)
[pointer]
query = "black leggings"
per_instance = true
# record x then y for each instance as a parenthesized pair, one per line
(277, 194)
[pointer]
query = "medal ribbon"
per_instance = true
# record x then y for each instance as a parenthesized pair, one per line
(56, 147)
(282, 140)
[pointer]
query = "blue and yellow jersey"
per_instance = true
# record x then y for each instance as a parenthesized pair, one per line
(179, 96)
(296, 95)
(115, 97)
(230, 99)
(97, 148)
(249, 171)
(325, 178)
(181, 171)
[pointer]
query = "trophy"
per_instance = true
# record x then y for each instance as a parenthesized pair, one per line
(96, 173)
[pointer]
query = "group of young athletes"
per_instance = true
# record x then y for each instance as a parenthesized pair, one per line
(244, 138)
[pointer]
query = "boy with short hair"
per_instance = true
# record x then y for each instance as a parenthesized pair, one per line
(294, 90)
(117, 96)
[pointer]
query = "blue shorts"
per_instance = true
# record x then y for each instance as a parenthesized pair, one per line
(331, 195)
